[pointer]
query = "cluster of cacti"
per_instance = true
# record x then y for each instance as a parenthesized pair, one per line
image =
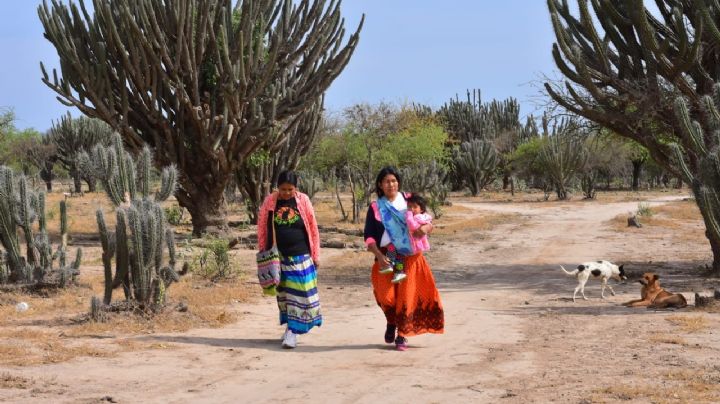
(252, 66)
(477, 160)
(71, 138)
(471, 119)
(562, 155)
(141, 232)
(20, 208)
(429, 179)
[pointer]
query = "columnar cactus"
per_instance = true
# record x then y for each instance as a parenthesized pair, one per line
(477, 160)
(429, 178)
(20, 207)
(562, 156)
(141, 230)
(704, 145)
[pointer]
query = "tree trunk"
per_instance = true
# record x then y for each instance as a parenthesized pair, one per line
(637, 170)
(92, 184)
(78, 182)
(207, 208)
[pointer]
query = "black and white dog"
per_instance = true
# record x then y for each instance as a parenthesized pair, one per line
(603, 270)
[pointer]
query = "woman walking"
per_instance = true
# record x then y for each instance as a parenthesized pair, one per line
(289, 214)
(411, 307)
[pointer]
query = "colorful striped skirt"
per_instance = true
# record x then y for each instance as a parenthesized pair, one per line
(297, 294)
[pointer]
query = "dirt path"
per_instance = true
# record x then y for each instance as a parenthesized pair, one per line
(511, 335)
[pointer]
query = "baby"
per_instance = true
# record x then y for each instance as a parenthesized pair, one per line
(415, 217)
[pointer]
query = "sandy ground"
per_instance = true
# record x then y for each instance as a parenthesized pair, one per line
(512, 333)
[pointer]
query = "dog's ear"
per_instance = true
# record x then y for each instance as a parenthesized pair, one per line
(656, 277)
(621, 267)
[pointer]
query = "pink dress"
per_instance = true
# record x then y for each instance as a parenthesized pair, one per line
(414, 222)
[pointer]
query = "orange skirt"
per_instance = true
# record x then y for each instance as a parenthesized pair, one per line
(413, 305)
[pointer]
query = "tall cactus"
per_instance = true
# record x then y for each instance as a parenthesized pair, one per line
(626, 62)
(72, 136)
(704, 145)
(20, 208)
(202, 82)
(141, 230)
(477, 160)
(430, 178)
(562, 156)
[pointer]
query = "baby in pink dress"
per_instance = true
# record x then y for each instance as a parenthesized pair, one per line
(415, 216)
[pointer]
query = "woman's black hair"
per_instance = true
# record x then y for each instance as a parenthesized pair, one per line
(419, 201)
(389, 170)
(287, 177)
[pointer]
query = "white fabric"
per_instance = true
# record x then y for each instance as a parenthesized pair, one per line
(400, 204)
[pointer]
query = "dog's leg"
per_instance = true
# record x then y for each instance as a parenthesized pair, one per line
(582, 288)
(602, 288)
(576, 290)
(612, 292)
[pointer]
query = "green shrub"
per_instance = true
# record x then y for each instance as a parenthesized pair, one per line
(174, 214)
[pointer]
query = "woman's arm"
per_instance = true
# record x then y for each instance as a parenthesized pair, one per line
(371, 232)
(315, 237)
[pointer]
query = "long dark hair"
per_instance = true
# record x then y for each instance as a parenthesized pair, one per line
(287, 177)
(389, 170)
(419, 201)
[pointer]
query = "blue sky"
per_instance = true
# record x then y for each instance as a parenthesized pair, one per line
(423, 51)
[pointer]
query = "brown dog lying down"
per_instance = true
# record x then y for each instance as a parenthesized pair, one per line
(655, 297)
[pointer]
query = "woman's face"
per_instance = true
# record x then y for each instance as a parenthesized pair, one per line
(389, 186)
(286, 191)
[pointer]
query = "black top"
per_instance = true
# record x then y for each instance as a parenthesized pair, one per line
(292, 239)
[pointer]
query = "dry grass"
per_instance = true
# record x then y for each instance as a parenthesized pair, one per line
(24, 346)
(453, 223)
(8, 381)
(208, 306)
(689, 324)
(681, 385)
(667, 339)
(681, 219)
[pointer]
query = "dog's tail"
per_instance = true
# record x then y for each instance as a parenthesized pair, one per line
(573, 273)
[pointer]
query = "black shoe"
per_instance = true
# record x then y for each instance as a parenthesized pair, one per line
(390, 334)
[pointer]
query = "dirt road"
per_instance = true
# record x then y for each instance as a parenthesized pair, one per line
(511, 333)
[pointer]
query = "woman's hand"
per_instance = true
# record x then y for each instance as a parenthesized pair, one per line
(423, 230)
(382, 259)
(317, 264)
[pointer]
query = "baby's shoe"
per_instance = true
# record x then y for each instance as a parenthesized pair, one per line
(398, 277)
(386, 270)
